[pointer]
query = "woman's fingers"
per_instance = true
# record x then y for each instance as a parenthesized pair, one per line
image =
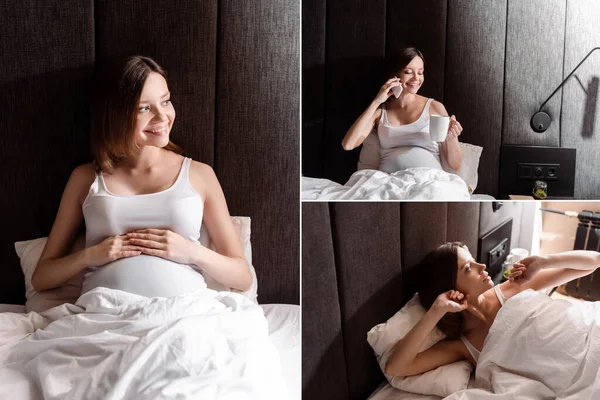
(148, 243)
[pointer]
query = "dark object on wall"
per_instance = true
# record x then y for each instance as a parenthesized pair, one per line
(521, 166)
(493, 247)
(541, 120)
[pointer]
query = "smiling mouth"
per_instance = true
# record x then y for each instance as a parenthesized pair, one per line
(157, 131)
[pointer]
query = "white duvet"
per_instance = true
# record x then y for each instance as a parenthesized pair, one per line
(410, 184)
(540, 348)
(116, 345)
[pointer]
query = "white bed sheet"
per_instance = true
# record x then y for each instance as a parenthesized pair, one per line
(284, 331)
(410, 184)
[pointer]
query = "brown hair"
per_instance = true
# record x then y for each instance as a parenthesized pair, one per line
(115, 100)
(398, 61)
(437, 274)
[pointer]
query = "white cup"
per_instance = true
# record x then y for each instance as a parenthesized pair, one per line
(518, 254)
(438, 127)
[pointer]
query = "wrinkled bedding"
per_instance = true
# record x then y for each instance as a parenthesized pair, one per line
(116, 345)
(410, 184)
(540, 348)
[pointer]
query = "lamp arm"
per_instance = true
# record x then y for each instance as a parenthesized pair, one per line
(565, 80)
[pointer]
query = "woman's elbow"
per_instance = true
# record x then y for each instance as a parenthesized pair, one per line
(246, 279)
(347, 146)
(391, 370)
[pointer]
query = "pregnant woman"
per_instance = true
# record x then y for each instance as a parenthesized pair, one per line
(142, 202)
(401, 118)
(463, 302)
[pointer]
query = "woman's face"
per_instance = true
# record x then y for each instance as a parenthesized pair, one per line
(412, 75)
(472, 278)
(155, 113)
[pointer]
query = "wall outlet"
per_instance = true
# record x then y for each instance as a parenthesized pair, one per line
(538, 171)
(521, 166)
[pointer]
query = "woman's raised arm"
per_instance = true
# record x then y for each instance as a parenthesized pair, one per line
(405, 359)
(362, 127)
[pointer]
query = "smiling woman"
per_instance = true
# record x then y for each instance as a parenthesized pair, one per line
(401, 119)
(143, 202)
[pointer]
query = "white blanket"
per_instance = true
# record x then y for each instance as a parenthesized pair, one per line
(117, 345)
(540, 348)
(409, 184)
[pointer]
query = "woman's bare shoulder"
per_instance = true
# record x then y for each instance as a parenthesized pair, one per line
(202, 177)
(437, 108)
(81, 179)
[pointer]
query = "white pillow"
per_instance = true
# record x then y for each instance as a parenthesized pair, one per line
(369, 157)
(29, 252)
(442, 381)
(469, 167)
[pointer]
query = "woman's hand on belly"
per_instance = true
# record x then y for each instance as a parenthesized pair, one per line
(111, 249)
(163, 243)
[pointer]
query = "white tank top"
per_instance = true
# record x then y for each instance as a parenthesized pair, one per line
(409, 145)
(178, 208)
(474, 352)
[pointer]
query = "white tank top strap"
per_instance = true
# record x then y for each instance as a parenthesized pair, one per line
(426, 110)
(474, 352)
(499, 294)
(383, 116)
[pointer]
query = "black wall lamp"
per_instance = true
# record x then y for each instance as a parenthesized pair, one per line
(541, 120)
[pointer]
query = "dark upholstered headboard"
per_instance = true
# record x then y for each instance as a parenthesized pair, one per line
(231, 66)
(357, 260)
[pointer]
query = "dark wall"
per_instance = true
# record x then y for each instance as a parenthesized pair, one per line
(491, 62)
(231, 69)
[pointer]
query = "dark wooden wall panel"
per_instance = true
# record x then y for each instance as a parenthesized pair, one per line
(423, 228)
(475, 80)
(313, 86)
(580, 118)
(430, 38)
(43, 98)
(534, 64)
(258, 117)
(367, 249)
(184, 46)
(463, 224)
(323, 360)
(355, 43)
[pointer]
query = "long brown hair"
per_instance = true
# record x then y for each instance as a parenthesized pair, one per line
(438, 273)
(115, 100)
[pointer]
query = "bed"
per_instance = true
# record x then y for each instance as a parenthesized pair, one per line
(368, 183)
(358, 269)
(227, 117)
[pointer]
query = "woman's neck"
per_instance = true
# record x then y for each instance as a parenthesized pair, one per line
(483, 308)
(147, 159)
(405, 100)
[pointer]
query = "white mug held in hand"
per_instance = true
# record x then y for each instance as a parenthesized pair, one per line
(438, 127)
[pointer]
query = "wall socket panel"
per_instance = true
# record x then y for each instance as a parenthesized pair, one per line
(521, 166)
(493, 247)
(534, 171)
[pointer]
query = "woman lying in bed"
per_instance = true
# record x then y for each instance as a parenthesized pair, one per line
(462, 301)
(142, 202)
(402, 122)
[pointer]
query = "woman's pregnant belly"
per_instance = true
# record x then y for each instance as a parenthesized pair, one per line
(399, 158)
(145, 275)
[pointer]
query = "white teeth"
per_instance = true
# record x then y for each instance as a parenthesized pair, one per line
(157, 130)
